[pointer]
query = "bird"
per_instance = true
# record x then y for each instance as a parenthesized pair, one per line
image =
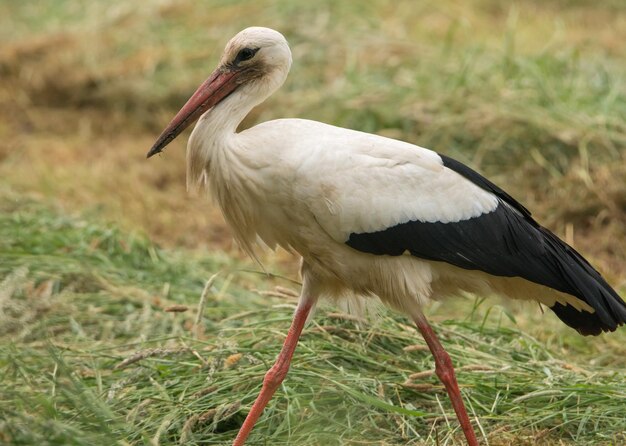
(370, 216)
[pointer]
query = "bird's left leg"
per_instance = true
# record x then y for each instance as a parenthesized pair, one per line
(445, 372)
(275, 375)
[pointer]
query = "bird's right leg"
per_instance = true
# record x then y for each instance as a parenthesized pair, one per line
(445, 372)
(275, 375)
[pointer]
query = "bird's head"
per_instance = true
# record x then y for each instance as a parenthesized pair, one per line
(254, 64)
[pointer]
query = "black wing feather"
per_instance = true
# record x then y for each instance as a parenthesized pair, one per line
(506, 242)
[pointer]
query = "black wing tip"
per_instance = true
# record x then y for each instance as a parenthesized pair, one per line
(591, 324)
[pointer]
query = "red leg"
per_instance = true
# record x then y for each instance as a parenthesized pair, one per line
(445, 372)
(277, 372)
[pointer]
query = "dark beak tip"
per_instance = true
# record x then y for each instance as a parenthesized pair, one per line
(161, 143)
(153, 151)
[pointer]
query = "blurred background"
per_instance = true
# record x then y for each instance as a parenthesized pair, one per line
(97, 242)
(530, 93)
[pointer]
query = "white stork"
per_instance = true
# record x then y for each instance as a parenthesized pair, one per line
(370, 216)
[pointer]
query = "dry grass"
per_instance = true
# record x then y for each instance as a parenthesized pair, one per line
(90, 353)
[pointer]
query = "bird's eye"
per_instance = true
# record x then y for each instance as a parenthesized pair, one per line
(245, 54)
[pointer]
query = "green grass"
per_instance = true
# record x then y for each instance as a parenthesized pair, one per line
(89, 356)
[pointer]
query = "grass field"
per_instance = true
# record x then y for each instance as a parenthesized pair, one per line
(104, 257)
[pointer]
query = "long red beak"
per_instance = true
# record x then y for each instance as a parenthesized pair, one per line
(220, 84)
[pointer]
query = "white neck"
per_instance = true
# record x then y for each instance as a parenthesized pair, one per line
(213, 159)
(215, 133)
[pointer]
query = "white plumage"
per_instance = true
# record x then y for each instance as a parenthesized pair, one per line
(306, 186)
(370, 216)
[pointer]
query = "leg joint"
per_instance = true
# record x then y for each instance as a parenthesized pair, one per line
(446, 375)
(275, 375)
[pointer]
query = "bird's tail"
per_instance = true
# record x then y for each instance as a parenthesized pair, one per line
(583, 281)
